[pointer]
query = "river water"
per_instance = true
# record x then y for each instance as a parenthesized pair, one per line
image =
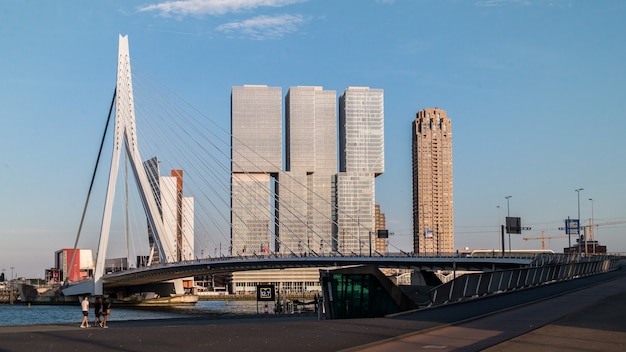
(20, 314)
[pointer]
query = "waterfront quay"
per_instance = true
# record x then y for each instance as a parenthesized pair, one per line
(8, 295)
(582, 314)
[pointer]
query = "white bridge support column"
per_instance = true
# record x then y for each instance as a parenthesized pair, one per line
(126, 136)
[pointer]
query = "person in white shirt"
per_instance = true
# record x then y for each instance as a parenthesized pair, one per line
(85, 307)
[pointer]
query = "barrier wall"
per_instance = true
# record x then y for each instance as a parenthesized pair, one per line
(548, 269)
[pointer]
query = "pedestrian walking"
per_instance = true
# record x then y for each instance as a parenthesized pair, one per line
(106, 311)
(97, 309)
(84, 305)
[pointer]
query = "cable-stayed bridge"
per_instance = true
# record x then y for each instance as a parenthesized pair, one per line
(183, 229)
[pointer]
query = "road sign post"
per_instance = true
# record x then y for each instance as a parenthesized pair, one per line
(572, 227)
(264, 293)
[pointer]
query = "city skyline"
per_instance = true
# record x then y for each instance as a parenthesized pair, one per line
(538, 110)
(307, 207)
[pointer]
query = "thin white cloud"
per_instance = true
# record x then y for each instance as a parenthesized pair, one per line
(183, 8)
(264, 27)
(493, 3)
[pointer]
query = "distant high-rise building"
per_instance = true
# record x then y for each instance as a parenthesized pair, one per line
(308, 206)
(382, 237)
(151, 166)
(292, 207)
(361, 159)
(256, 161)
(433, 214)
(176, 211)
(307, 187)
(183, 207)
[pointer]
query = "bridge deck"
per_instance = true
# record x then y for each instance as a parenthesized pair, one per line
(232, 264)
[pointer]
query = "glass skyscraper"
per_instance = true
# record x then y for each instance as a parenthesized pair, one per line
(290, 210)
(307, 187)
(307, 207)
(256, 161)
(290, 207)
(361, 160)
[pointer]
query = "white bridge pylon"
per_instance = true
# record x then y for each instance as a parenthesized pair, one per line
(125, 136)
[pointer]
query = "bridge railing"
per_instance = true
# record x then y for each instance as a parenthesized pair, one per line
(390, 255)
(377, 254)
(471, 286)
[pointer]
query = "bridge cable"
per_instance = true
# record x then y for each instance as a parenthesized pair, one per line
(93, 177)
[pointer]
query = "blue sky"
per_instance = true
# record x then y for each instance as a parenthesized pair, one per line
(535, 90)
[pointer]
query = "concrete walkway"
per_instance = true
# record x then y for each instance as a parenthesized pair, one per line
(590, 319)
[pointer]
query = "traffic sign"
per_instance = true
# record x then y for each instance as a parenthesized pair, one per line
(572, 227)
(265, 293)
(513, 225)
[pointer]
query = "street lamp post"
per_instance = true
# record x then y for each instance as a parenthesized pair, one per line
(508, 214)
(593, 243)
(508, 209)
(578, 192)
(11, 286)
(499, 226)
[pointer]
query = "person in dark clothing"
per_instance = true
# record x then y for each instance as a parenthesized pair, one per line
(97, 309)
(106, 310)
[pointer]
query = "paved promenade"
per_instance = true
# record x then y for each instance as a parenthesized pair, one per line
(587, 318)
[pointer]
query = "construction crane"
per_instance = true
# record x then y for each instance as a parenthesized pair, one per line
(544, 238)
(592, 225)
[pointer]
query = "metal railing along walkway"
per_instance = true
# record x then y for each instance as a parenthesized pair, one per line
(545, 270)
